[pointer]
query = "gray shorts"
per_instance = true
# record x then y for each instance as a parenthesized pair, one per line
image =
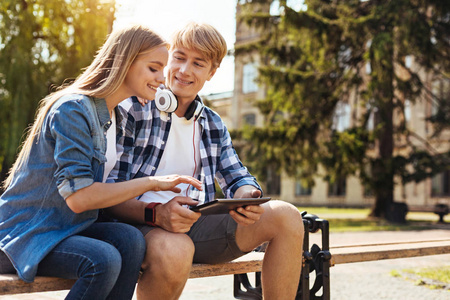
(214, 237)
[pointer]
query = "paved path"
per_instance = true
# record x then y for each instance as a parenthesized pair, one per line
(368, 280)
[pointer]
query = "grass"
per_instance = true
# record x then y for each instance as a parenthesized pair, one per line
(356, 219)
(434, 278)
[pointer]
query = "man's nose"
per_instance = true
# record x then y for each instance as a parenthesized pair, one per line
(184, 68)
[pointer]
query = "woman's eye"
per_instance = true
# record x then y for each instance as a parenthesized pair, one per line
(153, 70)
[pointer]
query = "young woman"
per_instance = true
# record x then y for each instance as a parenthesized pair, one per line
(56, 187)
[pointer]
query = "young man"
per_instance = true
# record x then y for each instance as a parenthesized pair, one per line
(194, 141)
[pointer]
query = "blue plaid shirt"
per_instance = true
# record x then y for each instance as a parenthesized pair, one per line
(141, 144)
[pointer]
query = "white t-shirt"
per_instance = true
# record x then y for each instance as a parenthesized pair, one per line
(111, 152)
(178, 157)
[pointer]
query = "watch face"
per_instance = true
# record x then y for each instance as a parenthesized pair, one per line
(149, 215)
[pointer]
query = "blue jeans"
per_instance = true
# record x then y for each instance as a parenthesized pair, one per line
(105, 258)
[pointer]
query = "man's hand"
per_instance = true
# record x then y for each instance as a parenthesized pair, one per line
(170, 182)
(251, 213)
(174, 217)
(247, 191)
(247, 215)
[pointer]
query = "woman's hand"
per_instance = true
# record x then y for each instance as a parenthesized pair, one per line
(142, 101)
(170, 182)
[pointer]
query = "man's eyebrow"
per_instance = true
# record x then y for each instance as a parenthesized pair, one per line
(196, 58)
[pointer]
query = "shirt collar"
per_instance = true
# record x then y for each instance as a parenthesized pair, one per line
(102, 111)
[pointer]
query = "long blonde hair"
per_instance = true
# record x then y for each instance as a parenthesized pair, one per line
(100, 79)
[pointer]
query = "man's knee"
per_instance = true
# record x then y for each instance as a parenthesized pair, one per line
(286, 217)
(168, 253)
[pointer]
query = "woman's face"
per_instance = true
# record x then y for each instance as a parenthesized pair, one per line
(146, 73)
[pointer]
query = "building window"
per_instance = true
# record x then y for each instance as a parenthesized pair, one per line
(250, 74)
(341, 118)
(337, 188)
(440, 185)
(250, 119)
(273, 182)
(407, 111)
(408, 61)
(302, 189)
(371, 120)
(440, 90)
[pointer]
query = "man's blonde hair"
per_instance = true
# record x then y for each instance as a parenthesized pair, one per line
(203, 38)
(100, 79)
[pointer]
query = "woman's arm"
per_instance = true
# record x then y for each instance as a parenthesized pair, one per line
(102, 195)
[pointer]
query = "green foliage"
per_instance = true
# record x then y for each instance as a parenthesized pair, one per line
(42, 42)
(316, 57)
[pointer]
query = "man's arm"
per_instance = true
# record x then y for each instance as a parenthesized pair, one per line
(231, 174)
(172, 216)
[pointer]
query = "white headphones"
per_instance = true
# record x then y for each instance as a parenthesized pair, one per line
(166, 101)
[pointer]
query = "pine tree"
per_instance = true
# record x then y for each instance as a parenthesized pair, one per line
(326, 52)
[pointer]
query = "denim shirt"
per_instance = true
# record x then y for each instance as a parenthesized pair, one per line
(68, 156)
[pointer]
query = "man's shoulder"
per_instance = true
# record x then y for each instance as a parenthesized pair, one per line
(213, 118)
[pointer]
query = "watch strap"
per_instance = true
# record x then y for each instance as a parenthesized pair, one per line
(150, 213)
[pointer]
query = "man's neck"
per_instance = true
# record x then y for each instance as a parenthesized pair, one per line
(183, 105)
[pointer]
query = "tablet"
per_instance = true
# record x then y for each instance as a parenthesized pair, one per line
(223, 206)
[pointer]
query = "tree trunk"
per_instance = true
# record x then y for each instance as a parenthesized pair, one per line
(382, 58)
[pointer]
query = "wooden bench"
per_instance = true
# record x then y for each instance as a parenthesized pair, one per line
(252, 262)
(440, 209)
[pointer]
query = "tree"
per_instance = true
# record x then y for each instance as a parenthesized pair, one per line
(42, 42)
(328, 52)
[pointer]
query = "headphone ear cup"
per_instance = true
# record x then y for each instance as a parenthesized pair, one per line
(165, 100)
(194, 110)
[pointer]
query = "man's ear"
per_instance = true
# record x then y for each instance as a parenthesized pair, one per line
(211, 73)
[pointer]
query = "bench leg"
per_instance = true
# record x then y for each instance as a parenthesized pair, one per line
(250, 292)
(317, 260)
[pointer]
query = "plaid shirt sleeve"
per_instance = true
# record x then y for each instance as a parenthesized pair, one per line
(231, 174)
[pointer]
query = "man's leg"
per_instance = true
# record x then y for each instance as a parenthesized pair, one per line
(282, 226)
(166, 265)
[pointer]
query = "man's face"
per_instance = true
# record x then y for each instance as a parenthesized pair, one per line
(187, 72)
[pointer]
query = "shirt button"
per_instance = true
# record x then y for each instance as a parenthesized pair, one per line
(153, 168)
(163, 142)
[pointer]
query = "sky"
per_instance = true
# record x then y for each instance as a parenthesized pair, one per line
(166, 16)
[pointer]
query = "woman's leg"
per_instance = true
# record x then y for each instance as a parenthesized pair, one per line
(130, 243)
(94, 263)
(106, 258)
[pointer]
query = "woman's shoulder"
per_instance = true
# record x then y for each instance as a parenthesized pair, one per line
(72, 103)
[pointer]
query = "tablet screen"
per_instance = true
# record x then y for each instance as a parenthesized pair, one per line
(223, 206)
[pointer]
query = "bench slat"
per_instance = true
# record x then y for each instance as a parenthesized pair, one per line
(11, 284)
(390, 254)
(249, 263)
(252, 262)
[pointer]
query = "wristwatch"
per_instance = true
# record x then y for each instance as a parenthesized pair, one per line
(150, 213)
